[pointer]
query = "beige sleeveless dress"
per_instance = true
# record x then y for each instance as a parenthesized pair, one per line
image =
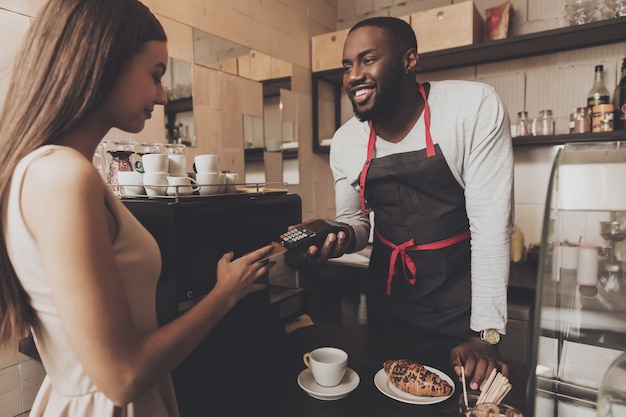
(67, 390)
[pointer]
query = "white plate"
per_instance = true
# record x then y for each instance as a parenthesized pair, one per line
(384, 385)
(348, 384)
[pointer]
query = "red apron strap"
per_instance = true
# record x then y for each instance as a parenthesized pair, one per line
(400, 251)
(371, 144)
(430, 148)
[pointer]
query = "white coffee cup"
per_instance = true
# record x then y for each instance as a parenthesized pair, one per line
(209, 182)
(232, 178)
(328, 365)
(222, 187)
(206, 163)
(155, 183)
(131, 182)
(181, 185)
(155, 162)
(177, 164)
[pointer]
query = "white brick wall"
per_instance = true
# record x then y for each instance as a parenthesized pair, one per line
(20, 378)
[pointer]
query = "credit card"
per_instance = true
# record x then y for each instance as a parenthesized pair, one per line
(277, 249)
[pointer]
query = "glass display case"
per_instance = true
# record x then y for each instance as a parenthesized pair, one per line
(580, 322)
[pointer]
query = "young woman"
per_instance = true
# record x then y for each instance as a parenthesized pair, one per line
(76, 267)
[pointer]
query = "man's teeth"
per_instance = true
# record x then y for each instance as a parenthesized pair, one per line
(361, 92)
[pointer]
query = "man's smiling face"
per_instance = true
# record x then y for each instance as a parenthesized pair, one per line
(372, 72)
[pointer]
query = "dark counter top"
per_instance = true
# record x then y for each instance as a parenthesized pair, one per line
(264, 383)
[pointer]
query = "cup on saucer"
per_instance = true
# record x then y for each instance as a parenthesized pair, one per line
(155, 183)
(181, 185)
(207, 163)
(208, 182)
(348, 384)
(328, 365)
(131, 182)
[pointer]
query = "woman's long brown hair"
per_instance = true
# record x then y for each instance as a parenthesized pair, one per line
(72, 55)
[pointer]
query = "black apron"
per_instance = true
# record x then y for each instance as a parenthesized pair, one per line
(419, 272)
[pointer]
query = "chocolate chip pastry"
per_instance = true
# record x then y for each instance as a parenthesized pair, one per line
(414, 378)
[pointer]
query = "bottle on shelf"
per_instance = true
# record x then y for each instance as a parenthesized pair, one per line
(619, 101)
(523, 129)
(598, 94)
(582, 120)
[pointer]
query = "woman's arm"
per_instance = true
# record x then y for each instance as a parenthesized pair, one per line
(64, 209)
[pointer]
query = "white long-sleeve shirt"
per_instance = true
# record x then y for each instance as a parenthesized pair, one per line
(471, 126)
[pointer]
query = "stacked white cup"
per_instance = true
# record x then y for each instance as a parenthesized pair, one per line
(156, 167)
(207, 173)
(131, 182)
(179, 180)
(232, 178)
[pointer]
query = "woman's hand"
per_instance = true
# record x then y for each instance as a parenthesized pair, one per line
(479, 359)
(238, 278)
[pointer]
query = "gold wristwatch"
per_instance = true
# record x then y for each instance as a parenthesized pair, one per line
(491, 336)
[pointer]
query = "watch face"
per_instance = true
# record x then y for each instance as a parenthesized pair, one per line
(490, 336)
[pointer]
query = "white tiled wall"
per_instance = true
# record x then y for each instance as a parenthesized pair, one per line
(20, 378)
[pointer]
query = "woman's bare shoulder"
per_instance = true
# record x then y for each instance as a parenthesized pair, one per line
(61, 163)
(62, 171)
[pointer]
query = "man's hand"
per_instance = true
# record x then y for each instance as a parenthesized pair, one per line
(479, 359)
(334, 246)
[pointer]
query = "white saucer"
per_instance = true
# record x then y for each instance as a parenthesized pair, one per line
(348, 384)
(384, 385)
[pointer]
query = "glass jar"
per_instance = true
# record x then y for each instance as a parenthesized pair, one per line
(522, 128)
(582, 120)
(175, 149)
(612, 392)
(148, 147)
(100, 160)
(544, 124)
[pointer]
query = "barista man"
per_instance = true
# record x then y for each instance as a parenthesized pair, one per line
(434, 162)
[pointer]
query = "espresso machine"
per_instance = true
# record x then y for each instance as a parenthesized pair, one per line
(193, 233)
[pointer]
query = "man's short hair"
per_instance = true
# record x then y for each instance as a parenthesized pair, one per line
(399, 32)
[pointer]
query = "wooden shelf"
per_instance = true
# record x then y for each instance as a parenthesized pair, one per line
(569, 138)
(540, 43)
(179, 105)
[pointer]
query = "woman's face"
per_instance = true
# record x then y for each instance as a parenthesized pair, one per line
(138, 89)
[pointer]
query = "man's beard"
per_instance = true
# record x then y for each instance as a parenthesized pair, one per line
(383, 104)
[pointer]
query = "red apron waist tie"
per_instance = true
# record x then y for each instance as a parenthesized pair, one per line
(400, 251)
